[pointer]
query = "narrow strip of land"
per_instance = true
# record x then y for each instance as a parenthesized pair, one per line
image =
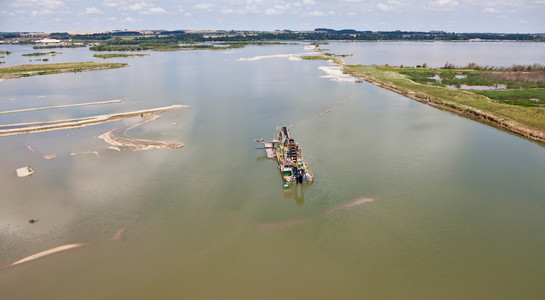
(44, 69)
(526, 121)
(46, 253)
(58, 106)
(82, 122)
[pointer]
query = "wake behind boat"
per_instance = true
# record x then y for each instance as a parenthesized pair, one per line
(289, 157)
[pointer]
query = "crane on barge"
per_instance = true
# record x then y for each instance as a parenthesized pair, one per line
(289, 158)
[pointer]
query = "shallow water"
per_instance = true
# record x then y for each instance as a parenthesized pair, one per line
(408, 201)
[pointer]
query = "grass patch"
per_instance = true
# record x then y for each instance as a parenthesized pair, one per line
(210, 47)
(114, 55)
(420, 76)
(530, 118)
(457, 77)
(41, 53)
(44, 69)
(165, 47)
(529, 97)
(59, 46)
(317, 57)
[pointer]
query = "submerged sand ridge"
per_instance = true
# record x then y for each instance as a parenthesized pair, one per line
(22, 128)
(134, 144)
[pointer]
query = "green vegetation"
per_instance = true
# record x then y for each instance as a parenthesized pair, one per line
(41, 53)
(211, 46)
(59, 46)
(32, 221)
(470, 77)
(5, 52)
(529, 97)
(524, 119)
(325, 56)
(160, 45)
(320, 34)
(114, 55)
(44, 69)
(317, 57)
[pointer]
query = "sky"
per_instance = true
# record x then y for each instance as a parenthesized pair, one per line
(503, 16)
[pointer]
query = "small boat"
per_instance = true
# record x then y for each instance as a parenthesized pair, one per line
(289, 157)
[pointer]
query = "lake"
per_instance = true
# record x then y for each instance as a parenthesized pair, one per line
(408, 201)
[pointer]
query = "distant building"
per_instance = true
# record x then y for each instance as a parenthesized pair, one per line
(48, 41)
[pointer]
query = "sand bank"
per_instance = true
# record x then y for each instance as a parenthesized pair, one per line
(86, 152)
(49, 156)
(22, 128)
(58, 106)
(47, 252)
(134, 144)
(288, 56)
(335, 73)
(24, 171)
(296, 221)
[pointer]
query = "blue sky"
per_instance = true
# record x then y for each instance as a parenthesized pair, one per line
(507, 16)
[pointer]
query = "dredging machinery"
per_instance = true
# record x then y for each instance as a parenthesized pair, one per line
(288, 155)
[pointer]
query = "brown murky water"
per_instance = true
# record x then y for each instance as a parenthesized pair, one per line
(408, 201)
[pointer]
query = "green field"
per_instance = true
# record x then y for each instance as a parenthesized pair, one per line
(41, 53)
(490, 106)
(44, 69)
(114, 55)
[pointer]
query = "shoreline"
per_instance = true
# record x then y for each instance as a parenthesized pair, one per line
(83, 122)
(490, 118)
(55, 68)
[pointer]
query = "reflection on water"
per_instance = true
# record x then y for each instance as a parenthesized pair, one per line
(296, 192)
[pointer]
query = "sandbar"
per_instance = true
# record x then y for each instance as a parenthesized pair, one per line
(135, 144)
(81, 122)
(58, 106)
(47, 252)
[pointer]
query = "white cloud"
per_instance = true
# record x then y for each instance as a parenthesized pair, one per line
(33, 3)
(272, 11)
(136, 6)
(491, 10)
(154, 11)
(129, 19)
(204, 5)
(309, 2)
(43, 12)
(282, 7)
(226, 11)
(110, 3)
(392, 5)
(92, 10)
(316, 13)
(443, 5)
(523, 21)
(384, 7)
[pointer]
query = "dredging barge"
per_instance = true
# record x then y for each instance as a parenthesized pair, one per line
(289, 157)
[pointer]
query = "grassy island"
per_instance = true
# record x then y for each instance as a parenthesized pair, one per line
(115, 55)
(44, 69)
(519, 106)
(41, 53)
